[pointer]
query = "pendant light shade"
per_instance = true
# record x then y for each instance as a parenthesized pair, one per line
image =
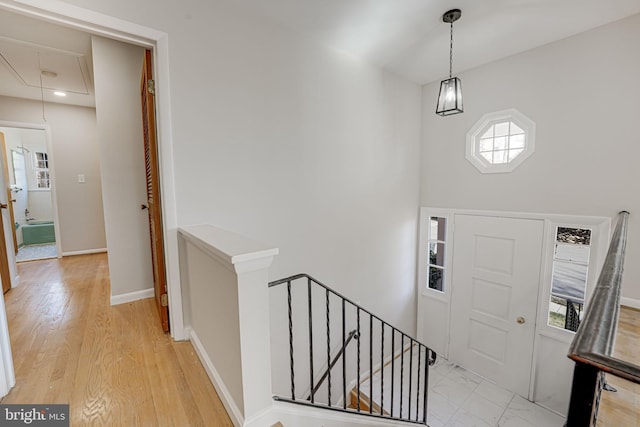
(450, 96)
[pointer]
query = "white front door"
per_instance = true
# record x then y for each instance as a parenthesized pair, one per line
(496, 273)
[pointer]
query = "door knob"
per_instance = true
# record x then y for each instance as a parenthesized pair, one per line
(143, 207)
(520, 320)
(3, 205)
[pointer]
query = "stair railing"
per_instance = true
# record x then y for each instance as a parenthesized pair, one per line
(407, 377)
(353, 334)
(592, 346)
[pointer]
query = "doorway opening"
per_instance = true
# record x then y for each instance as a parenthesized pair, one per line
(30, 193)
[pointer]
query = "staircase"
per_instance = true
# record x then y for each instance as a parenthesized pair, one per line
(395, 391)
(343, 358)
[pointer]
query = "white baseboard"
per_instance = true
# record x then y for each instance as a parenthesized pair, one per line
(87, 252)
(132, 296)
(630, 302)
(230, 405)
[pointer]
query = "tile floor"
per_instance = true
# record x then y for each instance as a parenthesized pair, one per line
(33, 252)
(458, 398)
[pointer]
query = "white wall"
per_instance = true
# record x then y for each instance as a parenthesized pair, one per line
(117, 70)
(583, 93)
(303, 148)
(73, 134)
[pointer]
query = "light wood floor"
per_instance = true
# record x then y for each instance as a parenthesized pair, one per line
(113, 365)
(622, 409)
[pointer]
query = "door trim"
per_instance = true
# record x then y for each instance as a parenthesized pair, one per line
(52, 173)
(427, 299)
(100, 24)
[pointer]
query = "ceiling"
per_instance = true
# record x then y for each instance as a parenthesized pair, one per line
(409, 38)
(406, 37)
(38, 58)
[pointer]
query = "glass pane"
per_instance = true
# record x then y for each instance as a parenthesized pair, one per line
(574, 253)
(488, 133)
(514, 153)
(485, 145)
(515, 129)
(499, 157)
(569, 280)
(565, 314)
(557, 312)
(502, 129)
(500, 143)
(438, 228)
(580, 236)
(488, 156)
(516, 141)
(436, 254)
(436, 276)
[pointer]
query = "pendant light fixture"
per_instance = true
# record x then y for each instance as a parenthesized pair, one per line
(450, 97)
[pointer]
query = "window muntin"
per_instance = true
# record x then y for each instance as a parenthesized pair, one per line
(500, 141)
(43, 180)
(569, 277)
(437, 250)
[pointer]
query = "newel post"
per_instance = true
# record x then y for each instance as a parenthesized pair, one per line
(255, 346)
(225, 280)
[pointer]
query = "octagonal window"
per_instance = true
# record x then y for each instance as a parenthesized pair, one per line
(500, 141)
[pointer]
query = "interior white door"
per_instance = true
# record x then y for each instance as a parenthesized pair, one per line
(496, 272)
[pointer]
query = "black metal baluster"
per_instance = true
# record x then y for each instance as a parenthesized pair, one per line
(344, 363)
(358, 361)
(293, 384)
(418, 384)
(384, 409)
(311, 396)
(370, 363)
(382, 368)
(401, 370)
(426, 384)
(410, 374)
(328, 351)
(393, 362)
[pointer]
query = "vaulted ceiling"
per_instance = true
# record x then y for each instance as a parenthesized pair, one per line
(406, 37)
(409, 38)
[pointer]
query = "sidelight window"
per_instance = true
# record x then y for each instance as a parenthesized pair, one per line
(569, 277)
(437, 244)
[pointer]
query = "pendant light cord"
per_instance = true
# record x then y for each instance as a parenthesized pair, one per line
(451, 51)
(44, 119)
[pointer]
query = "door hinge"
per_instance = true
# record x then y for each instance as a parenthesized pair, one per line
(151, 86)
(164, 300)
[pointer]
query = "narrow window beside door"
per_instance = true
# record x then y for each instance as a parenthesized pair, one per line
(569, 278)
(437, 242)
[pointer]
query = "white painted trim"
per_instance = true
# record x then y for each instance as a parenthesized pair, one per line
(132, 296)
(225, 396)
(481, 125)
(601, 225)
(321, 416)
(82, 19)
(630, 302)
(54, 198)
(7, 373)
(85, 252)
